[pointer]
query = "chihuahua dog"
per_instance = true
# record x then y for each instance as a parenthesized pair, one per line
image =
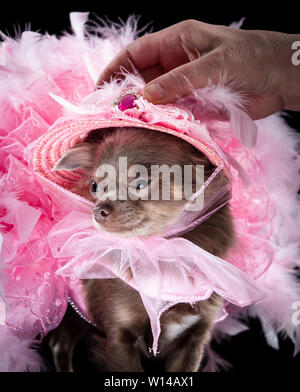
(122, 335)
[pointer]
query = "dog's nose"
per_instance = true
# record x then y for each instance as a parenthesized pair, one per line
(101, 212)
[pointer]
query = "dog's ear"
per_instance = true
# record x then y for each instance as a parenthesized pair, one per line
(80, 156)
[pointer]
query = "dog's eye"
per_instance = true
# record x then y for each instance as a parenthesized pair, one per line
(93, 188)
(141, 184)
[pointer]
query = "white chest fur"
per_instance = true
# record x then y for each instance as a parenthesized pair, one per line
(175, 329)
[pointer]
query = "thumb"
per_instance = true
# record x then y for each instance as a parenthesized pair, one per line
(180, 81)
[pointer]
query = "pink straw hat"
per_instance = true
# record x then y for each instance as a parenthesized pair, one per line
(66, 133)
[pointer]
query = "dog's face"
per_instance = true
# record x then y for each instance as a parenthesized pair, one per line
(125, 175)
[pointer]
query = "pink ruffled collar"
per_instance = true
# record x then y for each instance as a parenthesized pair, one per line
(164, 272)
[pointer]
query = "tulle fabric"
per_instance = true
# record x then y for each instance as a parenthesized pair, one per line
(164, 272)
(35, 297)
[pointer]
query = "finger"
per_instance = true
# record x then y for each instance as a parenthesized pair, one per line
(140, 54)
(179, 82)
(152, 73)
(262, 106)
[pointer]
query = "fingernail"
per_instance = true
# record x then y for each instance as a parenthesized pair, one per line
(154, 92)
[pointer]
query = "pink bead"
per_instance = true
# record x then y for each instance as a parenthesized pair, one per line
(127, 102)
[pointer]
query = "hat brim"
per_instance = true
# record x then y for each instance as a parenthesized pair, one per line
(62, 137)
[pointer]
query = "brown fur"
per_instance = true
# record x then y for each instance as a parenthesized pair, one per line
(115, 307)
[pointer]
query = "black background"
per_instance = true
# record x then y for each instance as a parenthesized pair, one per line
(247, 351)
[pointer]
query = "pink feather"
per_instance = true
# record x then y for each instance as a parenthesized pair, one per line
(17, 354)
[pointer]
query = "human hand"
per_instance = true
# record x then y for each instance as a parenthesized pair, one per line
(191, 55)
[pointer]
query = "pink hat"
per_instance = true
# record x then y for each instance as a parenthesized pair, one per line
(130, 110)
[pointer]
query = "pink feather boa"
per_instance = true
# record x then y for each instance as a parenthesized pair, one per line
(34, 297)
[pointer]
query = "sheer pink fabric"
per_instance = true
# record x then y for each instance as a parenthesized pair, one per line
(164, 272)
